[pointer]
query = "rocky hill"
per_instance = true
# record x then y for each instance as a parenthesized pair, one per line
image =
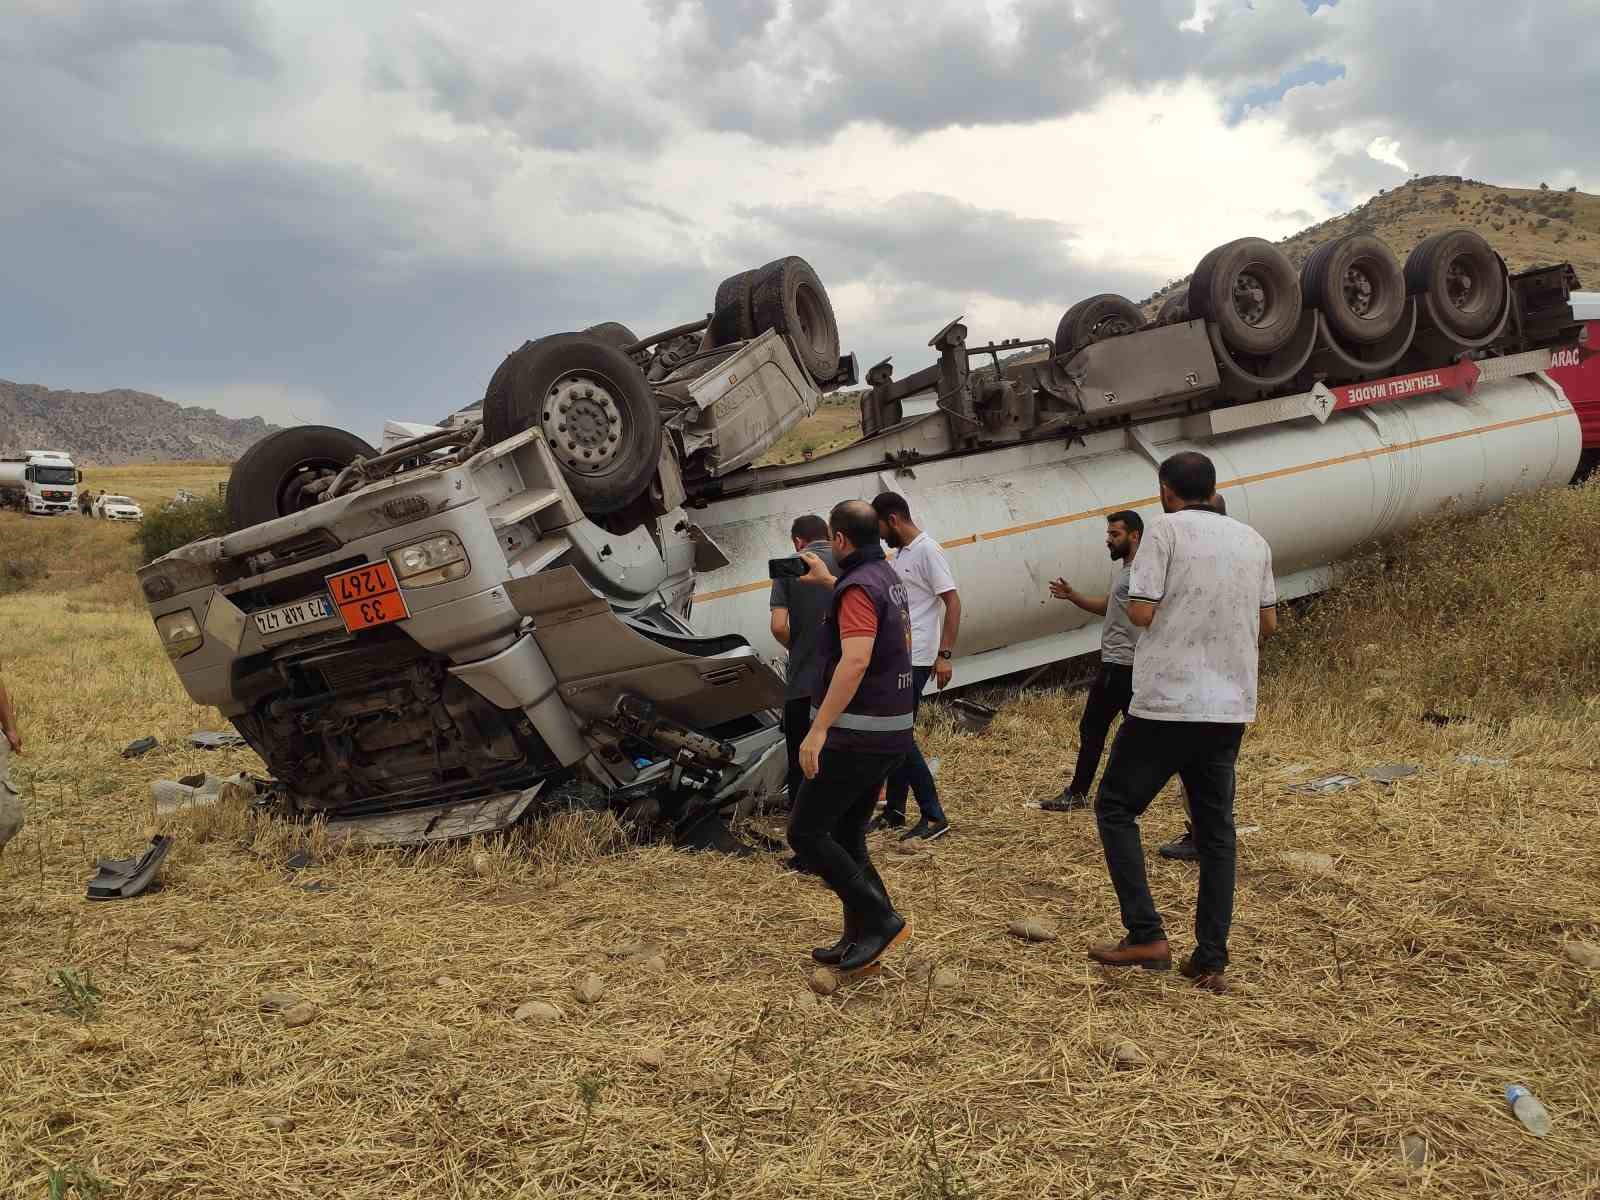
(1528, 226)
(119, 426)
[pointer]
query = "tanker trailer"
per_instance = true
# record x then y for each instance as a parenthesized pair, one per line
(566, 597)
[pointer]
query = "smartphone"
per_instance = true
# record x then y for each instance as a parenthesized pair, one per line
(792, 567)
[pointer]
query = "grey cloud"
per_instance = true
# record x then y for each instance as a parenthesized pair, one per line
(89, 38)
(934, 240)
(543, 99)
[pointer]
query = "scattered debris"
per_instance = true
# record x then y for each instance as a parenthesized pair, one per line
(1032, 929)
(279, 1001)
(1414, 1149)
(590, 988)
(279, 1124)
(122, 878)
(1309, 860)
(1323, 785)
(1478, 760)
(143, 746)
(1442, 719)
(824, 982)
(1123, 1053)
(205, 739)
(1528, 1110)
(301, 1014)
(200, 791)
(1585, 954)
(1389, 772)
(971, 716)
(651, 1058)
(536, 1010)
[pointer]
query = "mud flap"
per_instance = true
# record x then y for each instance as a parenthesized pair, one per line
(702, 827)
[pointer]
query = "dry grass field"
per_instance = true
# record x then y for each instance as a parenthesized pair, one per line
(1393, 989)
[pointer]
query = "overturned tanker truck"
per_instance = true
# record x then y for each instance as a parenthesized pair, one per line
(559, 601)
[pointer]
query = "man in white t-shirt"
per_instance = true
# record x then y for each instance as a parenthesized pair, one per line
(1203, 591)
(935, 622)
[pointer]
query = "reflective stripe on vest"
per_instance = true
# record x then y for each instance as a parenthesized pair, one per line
(849, 720)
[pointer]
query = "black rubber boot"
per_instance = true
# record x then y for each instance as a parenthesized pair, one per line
(878, 928)
(829, 956)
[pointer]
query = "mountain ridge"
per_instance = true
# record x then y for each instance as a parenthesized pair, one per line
(120, 425)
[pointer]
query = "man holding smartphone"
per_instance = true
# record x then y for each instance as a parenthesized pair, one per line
(798, 610)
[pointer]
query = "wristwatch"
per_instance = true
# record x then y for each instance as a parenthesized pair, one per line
(944, 654)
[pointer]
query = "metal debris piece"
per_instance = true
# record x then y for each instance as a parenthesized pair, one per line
(971, 716)
(198, 791)
(143, 746)
(121, 878)
(1389, 772)
(1323, 785)
(1414, 1149)
(206, 739)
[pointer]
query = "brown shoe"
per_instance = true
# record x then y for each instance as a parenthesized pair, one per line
(1203, 979)
(1151, 956)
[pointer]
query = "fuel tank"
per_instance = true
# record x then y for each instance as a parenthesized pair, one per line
(1012, 519)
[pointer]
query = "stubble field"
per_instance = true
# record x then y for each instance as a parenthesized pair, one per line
(1390, 990)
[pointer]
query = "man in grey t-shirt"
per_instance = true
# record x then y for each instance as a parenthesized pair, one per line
(798, 610)
(1112, 688)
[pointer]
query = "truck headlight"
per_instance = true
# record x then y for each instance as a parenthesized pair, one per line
(439, 559)
(180, 633)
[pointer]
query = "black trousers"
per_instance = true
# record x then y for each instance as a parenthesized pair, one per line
(796, 724)
(913, 774)
(1109, 694)
(1144, 757)
(828, 826)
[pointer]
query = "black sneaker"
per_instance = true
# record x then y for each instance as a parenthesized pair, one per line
(926, 830)
(884, 821)
(1181, 848)
(1067, 801)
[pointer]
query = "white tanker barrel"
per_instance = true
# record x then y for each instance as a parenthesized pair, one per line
(1012, 519)
(13, 474)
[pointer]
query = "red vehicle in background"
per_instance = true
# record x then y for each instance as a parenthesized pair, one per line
(1578, 373)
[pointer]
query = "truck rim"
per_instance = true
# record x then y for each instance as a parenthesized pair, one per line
(813, 316)
(1251, 297)
(583, 422)
(1359, 291)
(297, 493)
(1461, 283)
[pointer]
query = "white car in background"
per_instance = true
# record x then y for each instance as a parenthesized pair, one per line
(117, 508)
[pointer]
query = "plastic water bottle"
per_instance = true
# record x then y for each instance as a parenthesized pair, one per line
(1528, 1109)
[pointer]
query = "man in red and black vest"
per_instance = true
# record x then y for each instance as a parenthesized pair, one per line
(861, 729)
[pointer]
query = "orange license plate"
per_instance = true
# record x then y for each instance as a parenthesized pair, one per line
(368, 596)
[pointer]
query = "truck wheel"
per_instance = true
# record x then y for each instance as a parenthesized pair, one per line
(1174, 309)
(1357, 285)
(789, 298)
(613, 333)
(1096, 318)
(269, 480)
(731, 319)
(597, 413)
(1465, 278)
(1251, 291)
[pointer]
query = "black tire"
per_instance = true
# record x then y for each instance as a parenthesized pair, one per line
(570, 368)
(1174, 309)
(789, 298)
(731, 318)
(1464, 276)
(613, 333)
(1357, 285)
(1096, 319)
(1251, 291)
(270, 478)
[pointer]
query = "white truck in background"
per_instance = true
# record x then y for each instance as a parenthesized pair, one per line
(41, 482)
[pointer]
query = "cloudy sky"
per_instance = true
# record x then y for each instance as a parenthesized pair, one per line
(341, 212)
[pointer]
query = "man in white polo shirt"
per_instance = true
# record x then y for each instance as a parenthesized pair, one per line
(1203, 591)
(935, 607)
